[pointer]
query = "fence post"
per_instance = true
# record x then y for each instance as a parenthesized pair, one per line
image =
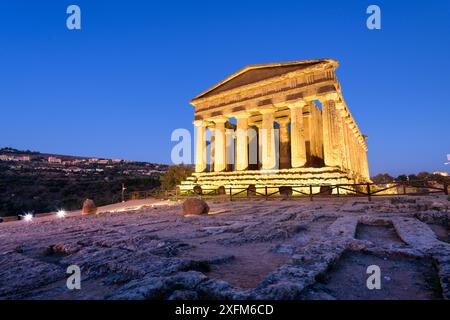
(368, 192)
(231, 194)
(310, 193)
(337, 190)
(404, 188)
(265, 192)
(446, 188)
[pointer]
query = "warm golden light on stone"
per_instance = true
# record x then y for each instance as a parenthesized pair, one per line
(298, 141)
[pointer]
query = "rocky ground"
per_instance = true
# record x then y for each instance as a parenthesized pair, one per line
(291, 249)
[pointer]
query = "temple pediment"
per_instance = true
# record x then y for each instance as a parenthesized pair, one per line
(259, 72)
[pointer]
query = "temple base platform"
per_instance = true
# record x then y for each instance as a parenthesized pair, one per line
(302, 180)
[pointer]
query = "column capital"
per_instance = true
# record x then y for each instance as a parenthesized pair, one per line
(340, 105)
(267, 110)
(343, 113)
(199, 123)
(220, 119)
(297, 104)
(331, 96)
(283, 121)
(241, 115)
(257, 124)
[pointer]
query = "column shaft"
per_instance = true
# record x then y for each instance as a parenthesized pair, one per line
(285, 157)
(200, 146)
(366, 165)
(242, 143)
(268, 140)
(212, 148)
(298, 146)
(333, 146)
(220, 146)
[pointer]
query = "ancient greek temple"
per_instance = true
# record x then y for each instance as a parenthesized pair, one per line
(277, 125)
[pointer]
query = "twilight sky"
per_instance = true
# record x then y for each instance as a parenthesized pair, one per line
(121, 85)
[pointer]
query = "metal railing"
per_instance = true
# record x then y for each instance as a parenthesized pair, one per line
(310, 192)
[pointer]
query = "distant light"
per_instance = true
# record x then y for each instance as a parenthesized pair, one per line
(28, 217)
(61, 213)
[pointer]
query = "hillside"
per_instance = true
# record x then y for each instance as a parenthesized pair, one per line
(36, 182)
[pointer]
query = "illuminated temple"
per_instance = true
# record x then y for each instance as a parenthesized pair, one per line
(277, 125)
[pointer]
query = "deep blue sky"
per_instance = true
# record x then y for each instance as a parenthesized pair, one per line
(118, 87)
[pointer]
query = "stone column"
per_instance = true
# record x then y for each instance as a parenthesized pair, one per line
(200, 145)
(356, 148)
(333, 144)
(242, 142)
(343, 114)
(253, 147)
(363, 158)
(211, 148)
(285, 155)
(348, 146)
(268, 153)
(230, 138)
(298, 147)
(366, 164)
(353, 147)
(260, 145)
(220, 145)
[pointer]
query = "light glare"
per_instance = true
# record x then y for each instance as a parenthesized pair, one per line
(61, 213)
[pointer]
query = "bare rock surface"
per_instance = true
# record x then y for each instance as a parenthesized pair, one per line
(294, 249)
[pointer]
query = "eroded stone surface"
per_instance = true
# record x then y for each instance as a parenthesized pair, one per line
(241, 250)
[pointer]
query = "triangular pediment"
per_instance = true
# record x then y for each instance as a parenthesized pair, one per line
(259, 72)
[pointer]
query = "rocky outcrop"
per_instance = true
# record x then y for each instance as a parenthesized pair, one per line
(194, 206)
(89, 207)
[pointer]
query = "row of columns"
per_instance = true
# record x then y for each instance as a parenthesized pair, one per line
(266, 132)
(342, 144)
(341, 147)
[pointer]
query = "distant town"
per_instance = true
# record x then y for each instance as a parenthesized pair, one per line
(20, 160)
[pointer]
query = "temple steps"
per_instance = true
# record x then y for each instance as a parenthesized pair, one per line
(269, 178)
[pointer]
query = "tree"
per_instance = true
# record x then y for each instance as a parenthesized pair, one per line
(174, 176)
(424, 175)
(402, 178)
(382, 178)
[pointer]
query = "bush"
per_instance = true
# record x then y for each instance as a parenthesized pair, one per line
(382, 178)
(174, 176)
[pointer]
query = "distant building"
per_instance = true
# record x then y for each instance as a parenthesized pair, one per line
(23, 158)
(103, 161)
(4, 157)
(444, 174)
(54, 160)
(117, 160)
(93, 160)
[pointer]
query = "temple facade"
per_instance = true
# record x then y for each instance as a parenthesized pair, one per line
(277, 125)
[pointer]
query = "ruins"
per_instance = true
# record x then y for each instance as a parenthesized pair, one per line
(292, 129)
